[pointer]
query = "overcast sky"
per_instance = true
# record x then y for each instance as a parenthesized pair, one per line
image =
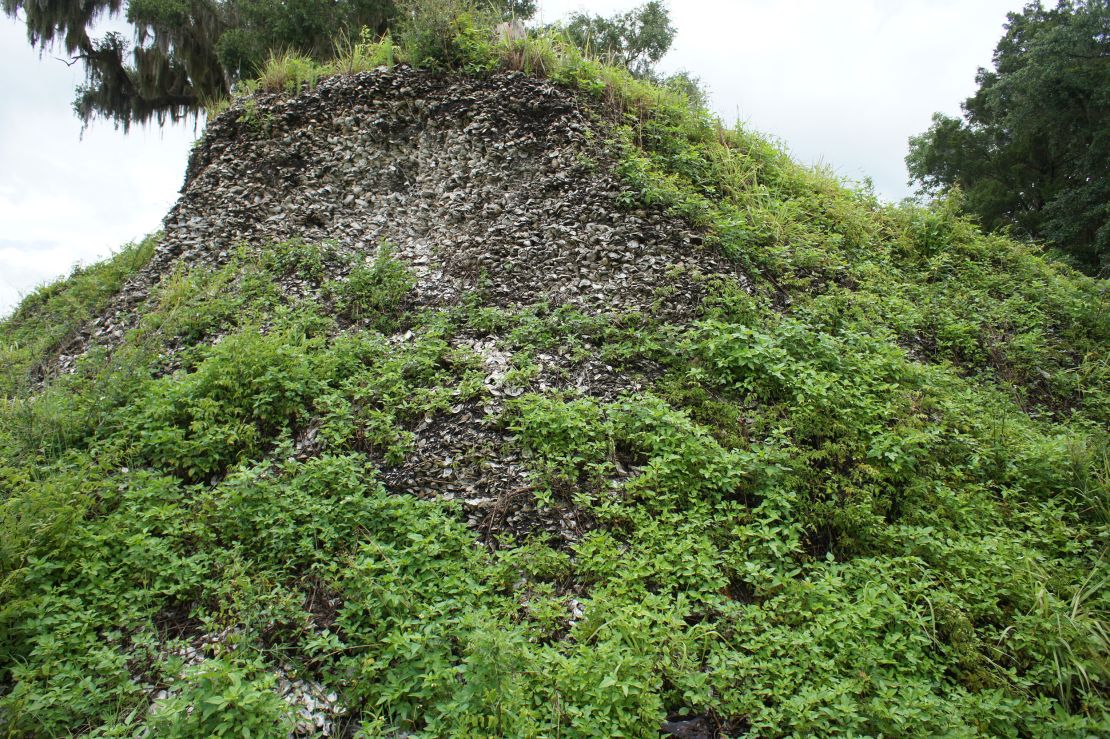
(840, 83)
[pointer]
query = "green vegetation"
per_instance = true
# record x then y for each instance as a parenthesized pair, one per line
(869, 497)
(221, 699)
(1032, 152)
(374, 291)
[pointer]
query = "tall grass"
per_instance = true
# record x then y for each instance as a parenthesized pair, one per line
(288, 71)
(364, 53)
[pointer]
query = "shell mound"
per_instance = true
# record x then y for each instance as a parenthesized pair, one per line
(426, 417)
(497, 186)
(461, 176)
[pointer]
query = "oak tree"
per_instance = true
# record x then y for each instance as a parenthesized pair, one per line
(1032, 149)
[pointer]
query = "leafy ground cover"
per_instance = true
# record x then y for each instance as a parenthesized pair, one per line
(869, 496)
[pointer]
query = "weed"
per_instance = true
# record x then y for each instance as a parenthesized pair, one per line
(290, 72)
(373, 292)
(219, 699)
(365, 54)
(262, 124)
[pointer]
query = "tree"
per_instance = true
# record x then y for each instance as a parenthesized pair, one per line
(1032, 151)
(636, 39)
(185, 53)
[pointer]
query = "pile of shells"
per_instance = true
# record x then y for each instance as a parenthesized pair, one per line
(497, 186)
(315, 710)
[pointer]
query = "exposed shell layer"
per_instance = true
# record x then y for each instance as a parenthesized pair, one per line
(500, 186)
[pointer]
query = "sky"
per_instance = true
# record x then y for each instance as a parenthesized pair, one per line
(842, 84)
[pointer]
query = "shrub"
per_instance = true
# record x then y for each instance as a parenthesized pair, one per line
(247, 388)
(220, 698)
(373, 293)
(445, 33)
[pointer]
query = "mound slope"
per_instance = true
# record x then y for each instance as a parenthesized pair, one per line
(475, 405)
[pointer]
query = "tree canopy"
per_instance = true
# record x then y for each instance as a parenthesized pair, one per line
(1032, 150)
(186, 52)
(636, 39)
